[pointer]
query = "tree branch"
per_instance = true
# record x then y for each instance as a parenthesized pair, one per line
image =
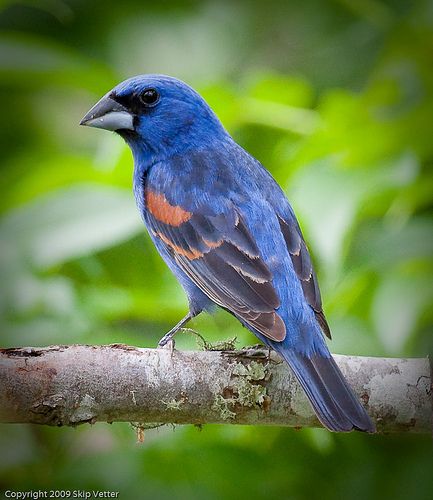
(69, 385)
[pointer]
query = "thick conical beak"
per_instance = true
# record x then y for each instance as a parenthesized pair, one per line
(109, 115)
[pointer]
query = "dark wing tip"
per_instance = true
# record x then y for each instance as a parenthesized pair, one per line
(271, 325)
(279, 329)
(320, 316)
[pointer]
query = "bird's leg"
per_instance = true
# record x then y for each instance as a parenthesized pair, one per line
(169, 335)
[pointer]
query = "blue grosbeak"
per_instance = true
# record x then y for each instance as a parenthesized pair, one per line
(227, 232)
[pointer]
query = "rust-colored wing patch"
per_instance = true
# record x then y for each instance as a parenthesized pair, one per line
(161, 209)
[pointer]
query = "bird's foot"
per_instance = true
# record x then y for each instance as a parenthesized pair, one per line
(166, 340)
(170, 344)
(170, 334)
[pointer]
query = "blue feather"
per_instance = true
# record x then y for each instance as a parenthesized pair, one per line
(228, 233)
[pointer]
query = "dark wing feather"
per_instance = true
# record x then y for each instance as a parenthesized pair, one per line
(304, 270)
(220, 256)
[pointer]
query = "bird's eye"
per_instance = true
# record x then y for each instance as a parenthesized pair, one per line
(149, 97)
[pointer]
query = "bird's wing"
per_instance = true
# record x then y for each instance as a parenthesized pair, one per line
(301, 261)
(218, 253)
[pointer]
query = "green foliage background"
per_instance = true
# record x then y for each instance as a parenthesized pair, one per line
(336, 99)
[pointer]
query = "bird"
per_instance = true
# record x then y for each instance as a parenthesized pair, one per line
(227, 232)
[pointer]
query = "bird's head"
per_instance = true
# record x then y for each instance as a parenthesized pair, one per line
(157, 115)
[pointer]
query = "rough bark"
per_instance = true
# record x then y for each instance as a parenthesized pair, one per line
(70, 385)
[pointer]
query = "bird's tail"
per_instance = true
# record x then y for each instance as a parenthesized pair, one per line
(333, 400)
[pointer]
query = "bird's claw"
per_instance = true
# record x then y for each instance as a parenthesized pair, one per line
(165, 340)
(167, 344)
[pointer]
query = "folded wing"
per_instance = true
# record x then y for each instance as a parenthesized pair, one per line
(220, 256)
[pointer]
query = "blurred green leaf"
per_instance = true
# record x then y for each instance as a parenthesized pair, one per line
(398, 305)
(70, 223)
(383, 246)
(47, 63)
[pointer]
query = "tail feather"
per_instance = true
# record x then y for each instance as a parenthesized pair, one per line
(333, 400)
